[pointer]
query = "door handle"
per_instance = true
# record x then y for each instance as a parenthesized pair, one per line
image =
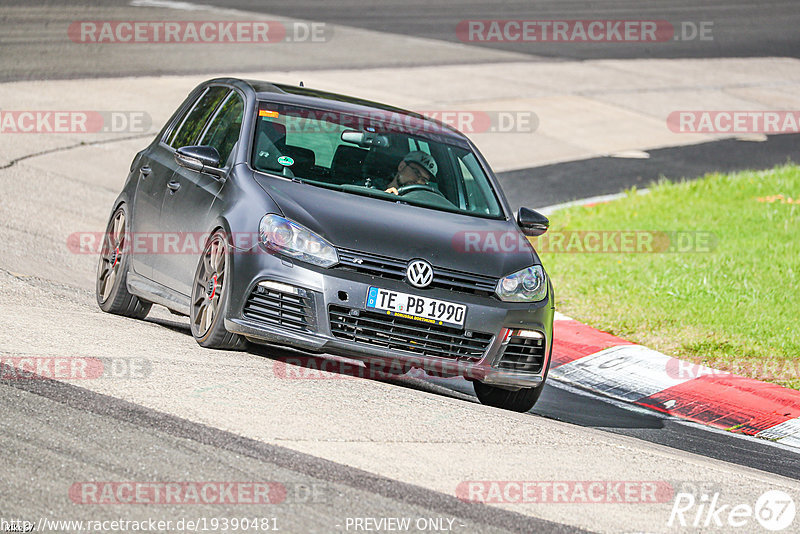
(145, 171)
(173, 185)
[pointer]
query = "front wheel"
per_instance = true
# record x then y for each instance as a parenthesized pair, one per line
(520, 400)
(210, 296)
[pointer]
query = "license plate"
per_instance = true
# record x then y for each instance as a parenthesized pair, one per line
(424, 309)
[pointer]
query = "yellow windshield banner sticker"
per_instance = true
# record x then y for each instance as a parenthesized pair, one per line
(267, 113)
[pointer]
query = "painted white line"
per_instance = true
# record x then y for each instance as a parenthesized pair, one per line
(787, 432)
(789, 441)
(548, 210)
(630, 154)
(752, 138)
(169, 4)
(558, 316)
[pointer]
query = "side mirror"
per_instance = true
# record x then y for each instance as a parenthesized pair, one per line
(201, 159)
(532, 222)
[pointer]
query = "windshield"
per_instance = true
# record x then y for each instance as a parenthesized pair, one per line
(390, 156)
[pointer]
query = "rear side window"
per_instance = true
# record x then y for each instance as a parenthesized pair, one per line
(190, 125)
(223, 132)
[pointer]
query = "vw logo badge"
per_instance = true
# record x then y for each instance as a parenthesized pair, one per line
(419, 273)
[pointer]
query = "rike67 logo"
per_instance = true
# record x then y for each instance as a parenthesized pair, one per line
(774, 510)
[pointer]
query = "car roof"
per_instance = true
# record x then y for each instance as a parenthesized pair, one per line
(305, 96)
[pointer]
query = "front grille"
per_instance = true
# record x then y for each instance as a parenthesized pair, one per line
(523, 354)
(281, 308)
(395, 269)
(402, 334)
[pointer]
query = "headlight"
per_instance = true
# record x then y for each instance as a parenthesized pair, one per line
(527, 285)
(291, 239)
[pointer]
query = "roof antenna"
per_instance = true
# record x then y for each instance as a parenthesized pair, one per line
(301, 83)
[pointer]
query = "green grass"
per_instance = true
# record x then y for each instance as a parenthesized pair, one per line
(735, 308)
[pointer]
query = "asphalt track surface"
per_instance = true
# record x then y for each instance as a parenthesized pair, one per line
(56, 414)
(740, 28)
(577, 407)
(573, 180)
(46, 419)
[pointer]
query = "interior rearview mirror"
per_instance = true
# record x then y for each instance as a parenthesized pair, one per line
(365, 139)
(531, 222)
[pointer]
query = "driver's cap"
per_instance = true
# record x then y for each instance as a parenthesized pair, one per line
(424, 159)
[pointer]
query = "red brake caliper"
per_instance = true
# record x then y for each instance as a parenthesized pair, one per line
(213, 288)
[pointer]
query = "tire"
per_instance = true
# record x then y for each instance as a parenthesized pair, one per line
(520, 400)
(210, 297)
(111, 289)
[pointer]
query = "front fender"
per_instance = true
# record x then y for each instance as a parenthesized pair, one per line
(241, 212)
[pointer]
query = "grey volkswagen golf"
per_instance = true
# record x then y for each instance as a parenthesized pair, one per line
(282, 215)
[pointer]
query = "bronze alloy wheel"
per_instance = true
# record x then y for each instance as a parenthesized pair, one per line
(209, 297)
(112, 271)
(111, 256)
(208, 286)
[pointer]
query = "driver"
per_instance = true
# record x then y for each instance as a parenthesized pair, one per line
(417, 167)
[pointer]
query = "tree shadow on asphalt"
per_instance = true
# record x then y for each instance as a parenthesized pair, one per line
(590, 410)
(174, 325)
(317, 365)
(555, 403)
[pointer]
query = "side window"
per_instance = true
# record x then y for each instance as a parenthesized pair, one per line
(418, 144)
(473, 194)
(190, 126)
(223, 132)
(479, 197)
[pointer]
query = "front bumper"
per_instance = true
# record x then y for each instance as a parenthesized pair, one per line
(344, 289)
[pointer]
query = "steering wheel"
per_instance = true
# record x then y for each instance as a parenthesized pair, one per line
(418, 187)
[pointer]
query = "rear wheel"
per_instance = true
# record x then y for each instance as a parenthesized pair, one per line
(520, 400)
(210, 296)
(111, 288)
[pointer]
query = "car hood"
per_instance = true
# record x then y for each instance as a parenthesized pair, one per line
(448, 240)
